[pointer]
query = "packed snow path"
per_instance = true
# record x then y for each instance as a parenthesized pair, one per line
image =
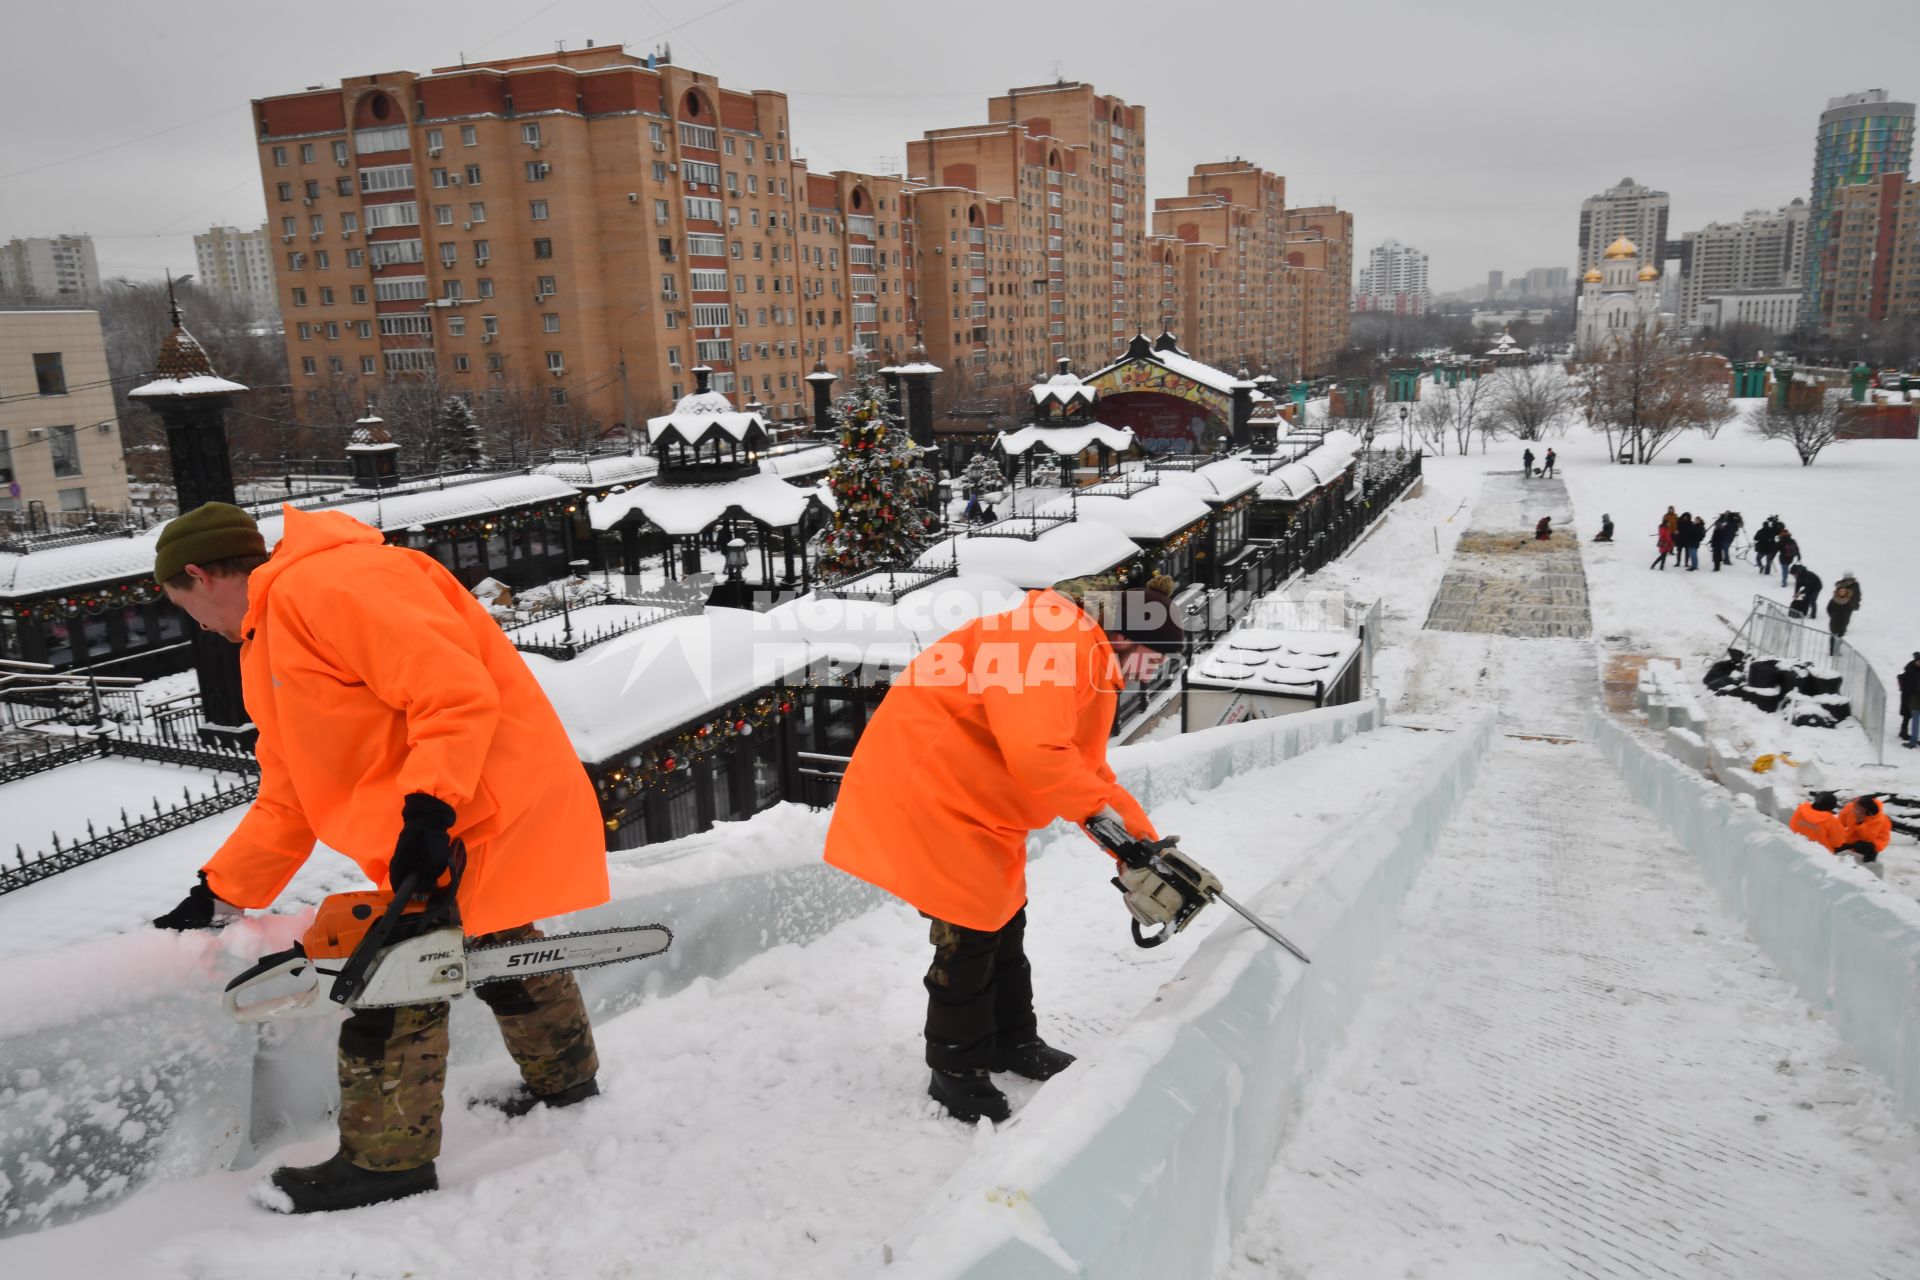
(1571, 1063)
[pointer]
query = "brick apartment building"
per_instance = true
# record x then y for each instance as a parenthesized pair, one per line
(1229, 231)
(580, 229)
(580, 224)
(1871, 256)
(1050, 194)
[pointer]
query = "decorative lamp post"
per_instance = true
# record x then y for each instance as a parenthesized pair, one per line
(579, 568)
(1401, 452)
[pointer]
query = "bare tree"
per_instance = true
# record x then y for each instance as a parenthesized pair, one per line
(1649, 392)
(1433, 417)
(1473, 400)
(1532, 399)
(1809, 421)
(1740, 339)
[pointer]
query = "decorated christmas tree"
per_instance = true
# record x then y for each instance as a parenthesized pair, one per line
(878, 484)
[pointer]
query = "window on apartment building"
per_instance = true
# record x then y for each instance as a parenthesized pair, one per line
(312, 188)
(296, 261)
(673, 319)
(659, 170)
(753, 184)
(442, 216)
(662, 213)
(461, 364)
(326, 295)
(702, 208)
(543, 248)
(469, 135)
(317, 223)
(349, 221)
(546, 287)
(549, 322)
(530, 133)
(482, 252)
(456, 326)
(284, 190)
(363, 328)
(537, 210)
(356, 257)
(306, 153)
(280, 158)
(305, 331)
(750, 150)
(449, 255)
(756, 251)
(288, 226)
(343, 186)
(537, 170)
(556, 362)
(490, 325)
(333, 330)
(437, 176)
(476, 212)
(50, 373)
(64, 446)
(473, 175)
(484, 286)
(309, 366)
(452, 290)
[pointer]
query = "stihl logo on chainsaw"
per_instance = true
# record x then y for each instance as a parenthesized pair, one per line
(534, 957)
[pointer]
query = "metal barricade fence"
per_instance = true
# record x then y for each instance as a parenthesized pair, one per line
(1773, 632)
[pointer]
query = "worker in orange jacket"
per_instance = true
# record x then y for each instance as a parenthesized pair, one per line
(993, 732)
(1817, 820)
(1865, 829)
(394, 718)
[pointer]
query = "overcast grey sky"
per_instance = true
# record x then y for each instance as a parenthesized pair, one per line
(1471, 130)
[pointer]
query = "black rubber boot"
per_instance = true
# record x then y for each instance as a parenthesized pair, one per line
(1034, 1059)
(523, 1099)
(968, 1095)
(338, 1183)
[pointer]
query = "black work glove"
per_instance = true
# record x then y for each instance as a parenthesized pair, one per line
(423, 850)
(1861, 849)
(200, 909)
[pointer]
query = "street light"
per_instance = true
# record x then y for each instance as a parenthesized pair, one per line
(1401, 452)
(579, 568)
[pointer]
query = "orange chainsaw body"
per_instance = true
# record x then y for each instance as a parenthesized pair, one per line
(344, 918)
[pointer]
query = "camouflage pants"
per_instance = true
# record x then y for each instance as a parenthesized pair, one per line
(393, 1062)
(979, 993)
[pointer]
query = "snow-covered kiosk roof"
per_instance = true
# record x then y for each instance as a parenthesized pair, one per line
(1287, 663)
(888, 616)
(1319, 466)
(1145, 512)
(1033, 551)
(599, 471)
(615, 696)
(1219, 481)
(686, 509)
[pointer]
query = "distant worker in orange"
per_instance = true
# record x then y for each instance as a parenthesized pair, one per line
(394, 719)
(993, 732)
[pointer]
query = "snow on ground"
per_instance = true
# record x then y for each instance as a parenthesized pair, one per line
(774, 1118)
(1852, 510)
(61, 801)
(1570, 1061)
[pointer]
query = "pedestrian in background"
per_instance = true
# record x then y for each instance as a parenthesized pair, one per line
(1910, 703)
(1787, 548)
(1547, 470)
(1766, 540)
(1663, 537)
(1526, 463)
(1841, 606)
(1806, 592)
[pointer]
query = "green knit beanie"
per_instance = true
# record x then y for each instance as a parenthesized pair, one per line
(215, 531)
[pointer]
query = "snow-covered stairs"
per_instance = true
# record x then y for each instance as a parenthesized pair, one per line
(1505, 582)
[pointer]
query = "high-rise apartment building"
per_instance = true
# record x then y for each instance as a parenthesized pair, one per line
(1395, 280)
(1628, 209)
(1872, 255)
(237, 262)
(1320, 255)
(1545, 283)
(50, 269)
(1861, 137)
(1229, 232)
(1726, 264)
(1065, 167)
(584, 226)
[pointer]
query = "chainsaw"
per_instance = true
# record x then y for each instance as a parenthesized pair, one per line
(406, 946)
(1176, 890)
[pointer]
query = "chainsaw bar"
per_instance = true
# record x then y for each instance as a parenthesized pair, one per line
(564, 953)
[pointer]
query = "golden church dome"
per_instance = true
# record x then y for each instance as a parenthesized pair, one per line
(1649, 273)
(1622, 248)
(1592, 277)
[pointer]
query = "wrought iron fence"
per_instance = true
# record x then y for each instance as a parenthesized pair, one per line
(28, 869)
(1772, 631)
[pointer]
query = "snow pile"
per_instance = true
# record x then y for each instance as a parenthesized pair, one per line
(1848, 942)
(1149, 1164)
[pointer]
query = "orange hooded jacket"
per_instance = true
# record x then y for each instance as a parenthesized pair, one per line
(1876, 830)
(371, 673)
(1823, 828)
(994, 731)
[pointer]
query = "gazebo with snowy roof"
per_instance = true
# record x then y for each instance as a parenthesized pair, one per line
(1064, 425)
(1506, 350)
(711, 490)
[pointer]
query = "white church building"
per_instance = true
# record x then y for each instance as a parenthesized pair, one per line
(1621, 295)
